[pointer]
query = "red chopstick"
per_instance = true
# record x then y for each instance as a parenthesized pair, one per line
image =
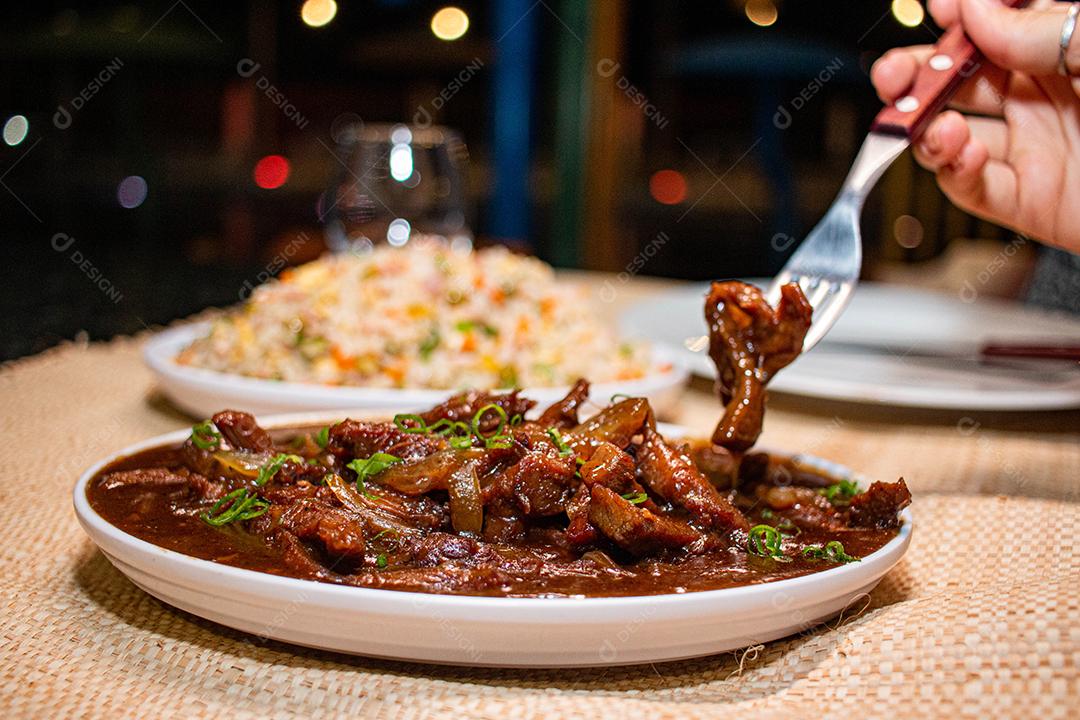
(1041, 352)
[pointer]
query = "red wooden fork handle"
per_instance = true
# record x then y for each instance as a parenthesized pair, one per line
(955, 59)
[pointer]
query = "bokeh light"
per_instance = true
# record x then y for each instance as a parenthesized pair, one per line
(271, 172)
(317, 13)
(401, 162)
(15, 129)
(449, 23)
(131, 192)
(761, 12)
(908, 231)
(908, 12)
(397, 232)
(668, 187)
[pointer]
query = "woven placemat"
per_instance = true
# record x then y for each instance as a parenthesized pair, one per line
(982, 617)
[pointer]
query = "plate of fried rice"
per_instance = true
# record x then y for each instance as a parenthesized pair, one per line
(400, 328)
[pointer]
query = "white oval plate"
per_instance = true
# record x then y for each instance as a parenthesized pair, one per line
(203, 392)
(482, 631)
(880, 350)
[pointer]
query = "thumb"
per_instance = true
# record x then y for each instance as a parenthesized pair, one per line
(1021, 40)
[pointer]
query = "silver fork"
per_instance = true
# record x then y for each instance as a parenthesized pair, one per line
(827, 263)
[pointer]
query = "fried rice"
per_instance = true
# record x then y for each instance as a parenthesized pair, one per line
(420, 316)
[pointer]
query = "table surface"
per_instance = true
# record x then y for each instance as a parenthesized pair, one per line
(981, 617)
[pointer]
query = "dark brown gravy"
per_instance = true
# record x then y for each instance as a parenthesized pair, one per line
(168, 516)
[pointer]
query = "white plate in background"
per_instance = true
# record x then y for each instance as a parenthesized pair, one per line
(482, 631)
(204, 392)
(879, 350)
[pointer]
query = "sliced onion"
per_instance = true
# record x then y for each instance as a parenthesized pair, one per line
(418, 477)
(616, 424)
(466, 506)
(373, 515)
(245, 464)
(601, 558)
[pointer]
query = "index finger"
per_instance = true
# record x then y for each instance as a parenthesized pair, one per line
(894, 72)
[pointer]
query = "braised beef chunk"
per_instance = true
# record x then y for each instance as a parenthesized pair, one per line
(297, 557)
(564, 414)
(537, 485)
(470, 500)
(339, 533)
(614, 469)
(242, 432)
(292, 471)
(145, 476)
(634, 529)
(802, 506)
(880, 506)
(354, 439)
(749, 342)
(434, 549)
(718, 464)
(196, 484)
(617, 424)
(671, 474)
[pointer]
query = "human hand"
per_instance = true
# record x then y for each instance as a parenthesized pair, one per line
(1011, 154)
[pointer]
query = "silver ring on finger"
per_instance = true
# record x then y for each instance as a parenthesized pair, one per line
(1067, 30)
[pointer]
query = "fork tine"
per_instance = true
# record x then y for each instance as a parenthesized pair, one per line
(772, 295)
(827, 312)
(818, 294)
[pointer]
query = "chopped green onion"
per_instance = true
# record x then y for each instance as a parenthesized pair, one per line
(461, 442)
(498, 442)
(767, 514)
(833, 551)
(765, 540)
(840, 493)
(205, 436)
(616, 396)
(545, 369)
(322, 438)
(401, 419)
(381, 561)
(270, 469)
(429, 344)
(467, 325)
(479, 416)
(564, 449)
(369, 467)
(442, 426)
(517, 420)
(379, 534)
(635, 498)
(242, 505)
(508, 377)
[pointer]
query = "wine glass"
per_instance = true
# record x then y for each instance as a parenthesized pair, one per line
(397, 182)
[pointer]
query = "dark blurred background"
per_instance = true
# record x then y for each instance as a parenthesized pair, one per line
(157, 156)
